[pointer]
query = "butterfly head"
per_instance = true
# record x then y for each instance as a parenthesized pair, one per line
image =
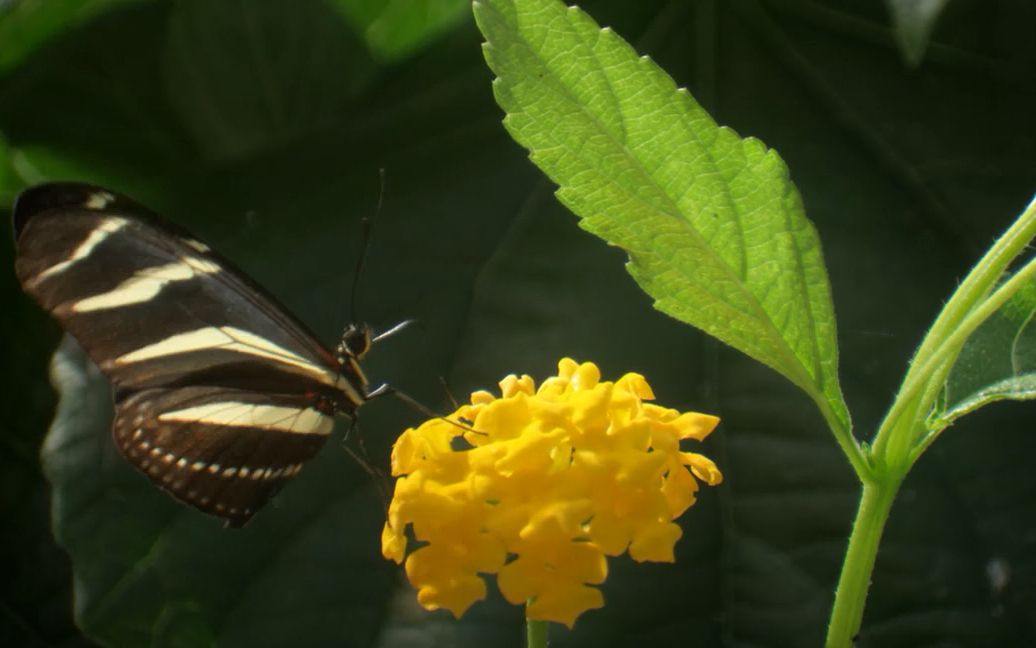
(356, 341)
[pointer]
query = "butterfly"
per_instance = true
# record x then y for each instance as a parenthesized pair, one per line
(221, 395)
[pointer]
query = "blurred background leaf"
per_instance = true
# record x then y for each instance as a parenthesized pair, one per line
(394, 29)
(245, 76)
(908, 175)
(913, 22)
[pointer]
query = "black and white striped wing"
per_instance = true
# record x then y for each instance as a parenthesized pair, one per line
(224, 451)
(170, 322)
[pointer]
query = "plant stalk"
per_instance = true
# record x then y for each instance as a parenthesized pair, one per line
(972, 291)
(536, 633)
(851, 595)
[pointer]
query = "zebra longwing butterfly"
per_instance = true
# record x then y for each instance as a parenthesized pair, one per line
(220, 393)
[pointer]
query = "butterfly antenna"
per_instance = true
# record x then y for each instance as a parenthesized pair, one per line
(392, 331)
(366, 234)
(413, 403)
(448, 392)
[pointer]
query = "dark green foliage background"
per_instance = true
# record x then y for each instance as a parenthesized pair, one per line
(262, 125)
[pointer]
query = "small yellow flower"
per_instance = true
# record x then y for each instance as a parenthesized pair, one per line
(544, 485)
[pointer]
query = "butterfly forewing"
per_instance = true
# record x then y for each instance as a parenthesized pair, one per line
(178, 329)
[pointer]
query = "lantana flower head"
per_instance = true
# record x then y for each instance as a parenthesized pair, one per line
(538, 486)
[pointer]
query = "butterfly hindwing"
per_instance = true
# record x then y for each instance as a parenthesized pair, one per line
(224, 451)
(211, 374)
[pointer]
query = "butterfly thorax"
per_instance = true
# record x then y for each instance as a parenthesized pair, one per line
(355, 342)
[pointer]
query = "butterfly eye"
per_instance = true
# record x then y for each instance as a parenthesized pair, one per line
(356, 341)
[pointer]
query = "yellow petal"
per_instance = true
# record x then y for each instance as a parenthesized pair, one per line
(482, 397)
(655, 542)
(393, 544)
(564, 604)
(520, 580)
(504, 418)
(696, 426)
(679, 490)
(610, 533)
(456, 594)
(441, 581)
(703, 468)
(586, 376)
(637, 385)
(513, 385)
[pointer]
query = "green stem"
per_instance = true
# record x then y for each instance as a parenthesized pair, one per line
(847, 614)
(900, 448)
(844, 436)
(536, 633)
(894, 449)
(978, 316)
(979, 282)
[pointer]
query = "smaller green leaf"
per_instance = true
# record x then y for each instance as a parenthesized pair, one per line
(998, 362)
(715, 230)
(27, 25)
(913, 22)
(395, 29)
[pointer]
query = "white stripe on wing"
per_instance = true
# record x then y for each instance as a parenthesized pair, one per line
(227, 338)
(105, 228)
(145, 284)
(267, 417)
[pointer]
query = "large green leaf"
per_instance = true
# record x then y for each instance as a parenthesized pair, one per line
(714, 228)
(998, 362)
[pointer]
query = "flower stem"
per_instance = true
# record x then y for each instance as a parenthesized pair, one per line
(536, 633)
(847, 614)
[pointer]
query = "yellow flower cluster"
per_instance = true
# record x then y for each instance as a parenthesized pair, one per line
(540, 489)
